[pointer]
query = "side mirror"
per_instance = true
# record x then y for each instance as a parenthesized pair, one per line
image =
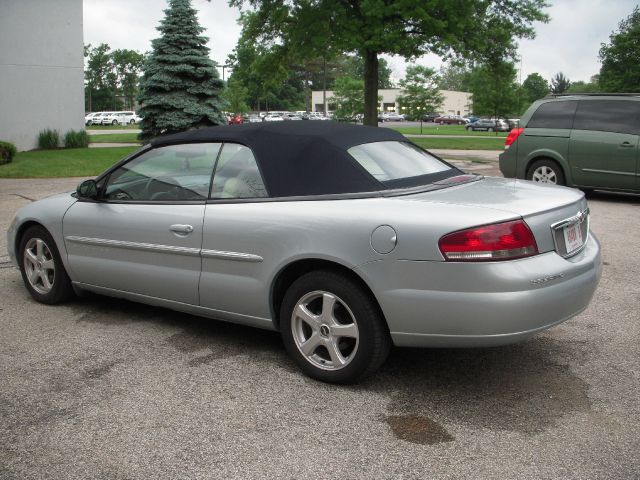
(88, 189)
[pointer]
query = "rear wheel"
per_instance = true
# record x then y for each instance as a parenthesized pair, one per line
(332, 328)
(115, 122)
(546, 171)
(42, 270)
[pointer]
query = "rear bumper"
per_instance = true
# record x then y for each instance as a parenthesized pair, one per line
(507, 163)
(446, 304)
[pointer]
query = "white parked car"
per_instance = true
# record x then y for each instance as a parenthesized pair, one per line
(89, 118)
(120, 118)
(100, 117)
(273, 117)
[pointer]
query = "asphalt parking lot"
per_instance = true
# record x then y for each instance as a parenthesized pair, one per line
(103, 388)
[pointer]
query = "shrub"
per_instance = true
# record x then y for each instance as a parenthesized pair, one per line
(7, 152)
(48, 139)
(73, 139)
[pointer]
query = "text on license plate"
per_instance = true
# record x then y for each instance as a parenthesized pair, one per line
(572, 237)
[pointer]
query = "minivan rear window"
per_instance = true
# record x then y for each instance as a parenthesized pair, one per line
(554, 115)
(617, 116)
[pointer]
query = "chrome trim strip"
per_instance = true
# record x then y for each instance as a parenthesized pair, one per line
(147, 247)
(610, 172)
(240, 257)
(152, 247)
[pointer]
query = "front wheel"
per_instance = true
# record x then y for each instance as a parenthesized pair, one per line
(332, 328)
(42, 270)
(546, 171)
(115, 122)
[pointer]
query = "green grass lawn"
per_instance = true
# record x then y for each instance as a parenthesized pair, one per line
(460, 143)
(447, 130)
(114, 138)
(73, 162)
(112, 127)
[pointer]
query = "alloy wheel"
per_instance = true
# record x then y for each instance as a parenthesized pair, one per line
(324, 330)
(39, 265)
(544, 174)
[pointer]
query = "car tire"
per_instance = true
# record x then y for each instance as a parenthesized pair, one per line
(89, 123)
(115, 122)
(132, 121)
(489, 129)
(546, 170)
(332, 357)
(41, 267)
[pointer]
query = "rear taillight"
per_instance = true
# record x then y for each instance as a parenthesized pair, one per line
(512, 137)
(500, 241)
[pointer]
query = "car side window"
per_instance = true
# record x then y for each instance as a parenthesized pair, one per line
(172, 173)
(617, 116)
(237, 174)
(554, 115)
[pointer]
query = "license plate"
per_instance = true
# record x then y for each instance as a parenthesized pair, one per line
(572, 237)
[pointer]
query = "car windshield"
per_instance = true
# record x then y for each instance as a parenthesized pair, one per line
(400, 164)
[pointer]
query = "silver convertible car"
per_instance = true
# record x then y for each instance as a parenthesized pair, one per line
(346, 239)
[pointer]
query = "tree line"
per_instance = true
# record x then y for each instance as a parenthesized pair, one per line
(289, 47)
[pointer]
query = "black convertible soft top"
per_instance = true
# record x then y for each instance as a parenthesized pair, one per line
(299, 158)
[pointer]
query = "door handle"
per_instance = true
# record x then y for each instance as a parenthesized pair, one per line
(183, 229)
(626, 145)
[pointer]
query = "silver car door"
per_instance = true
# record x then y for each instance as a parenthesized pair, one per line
(233, 269)
(144, 235)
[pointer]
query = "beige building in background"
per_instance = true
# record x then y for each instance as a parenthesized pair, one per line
(458, 103)
(41, 69)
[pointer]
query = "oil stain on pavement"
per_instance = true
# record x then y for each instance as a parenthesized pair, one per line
(418, 429)
(522, 388)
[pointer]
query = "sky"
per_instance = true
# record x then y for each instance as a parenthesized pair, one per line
(569, 43)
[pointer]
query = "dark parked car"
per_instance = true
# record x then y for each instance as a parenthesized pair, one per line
(451, 120)
(488, 126)
(430, 117)
(588, 141)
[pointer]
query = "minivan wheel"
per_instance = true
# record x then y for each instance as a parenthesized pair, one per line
(546, 171)
(332, 328)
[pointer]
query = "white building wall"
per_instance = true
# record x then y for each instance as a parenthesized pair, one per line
(454, 102)
(41, 69)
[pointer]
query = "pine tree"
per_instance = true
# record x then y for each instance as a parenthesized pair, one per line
(180, 88)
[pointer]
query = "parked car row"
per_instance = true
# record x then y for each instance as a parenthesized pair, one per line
(112, 118)
(276, 116)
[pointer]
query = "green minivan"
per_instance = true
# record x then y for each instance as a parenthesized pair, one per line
(588, 141)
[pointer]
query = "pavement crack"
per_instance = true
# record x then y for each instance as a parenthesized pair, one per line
(23, 196)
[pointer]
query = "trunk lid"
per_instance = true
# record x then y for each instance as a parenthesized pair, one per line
(541, 206)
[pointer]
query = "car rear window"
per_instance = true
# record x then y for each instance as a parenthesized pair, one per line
(554, 115)
(608, 116)
(398, 163)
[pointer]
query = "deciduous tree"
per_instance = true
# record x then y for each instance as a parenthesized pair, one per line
(396, 27)
(620, 71)
(420, 92)
(348, 96)
(494, 89)
(534, 87)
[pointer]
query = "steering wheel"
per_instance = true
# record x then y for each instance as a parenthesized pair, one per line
(164, 186)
